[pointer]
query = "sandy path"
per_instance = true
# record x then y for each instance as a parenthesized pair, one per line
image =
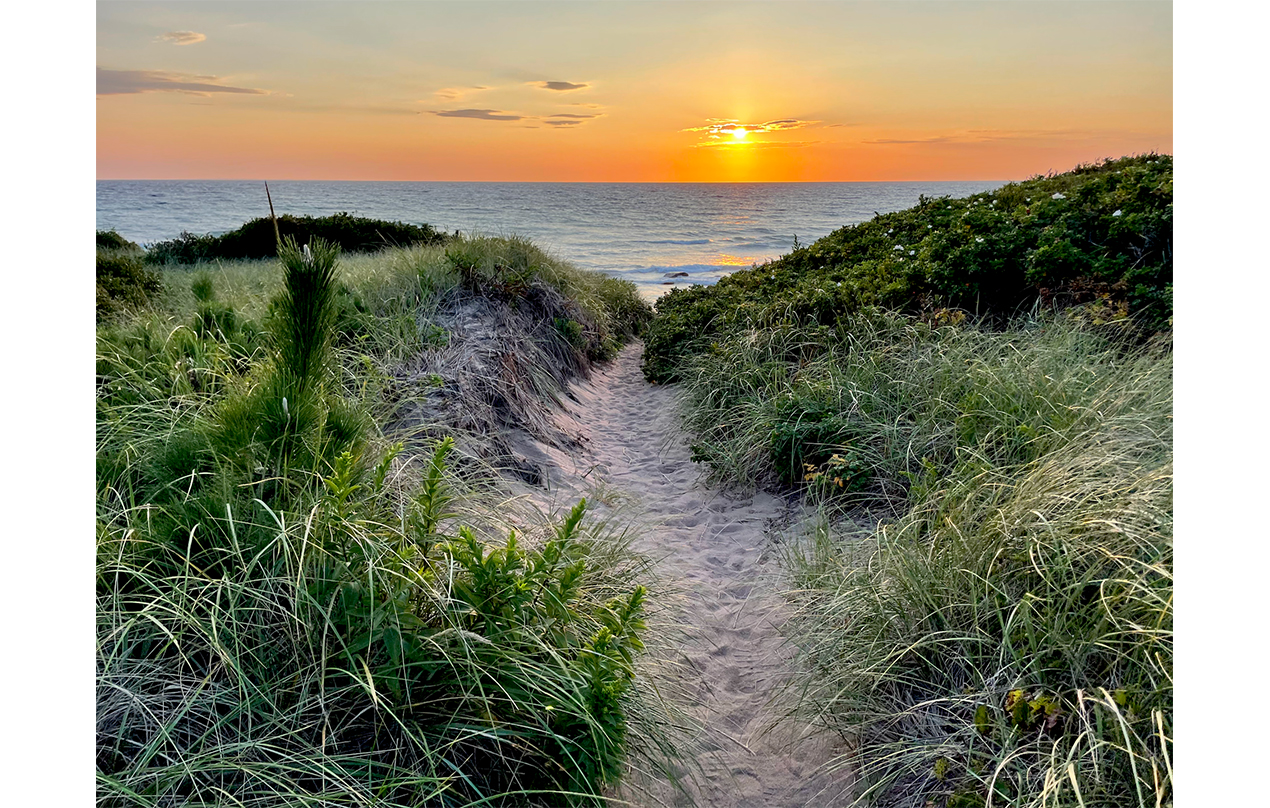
(712, 546)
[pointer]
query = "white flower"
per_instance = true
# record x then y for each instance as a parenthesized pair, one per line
(1058, 196)
(929, 226)
(899, 247)
(1117, 213)
(979, 239)
(912, 252)
(888, 232)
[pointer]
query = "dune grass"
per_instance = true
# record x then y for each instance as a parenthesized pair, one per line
(294, 608)
(1003, 636)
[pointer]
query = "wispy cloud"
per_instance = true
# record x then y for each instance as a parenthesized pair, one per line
(127, 82)
(559, 86)
(720, 127)
(183, 37)
(455, 93)
(902, 141)
(731, 133)
(973, 136)
(478, 114)
(563, 119)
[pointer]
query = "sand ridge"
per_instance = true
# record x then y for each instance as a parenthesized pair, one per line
(716, 548)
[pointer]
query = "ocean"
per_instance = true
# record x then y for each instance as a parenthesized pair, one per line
(639, 231)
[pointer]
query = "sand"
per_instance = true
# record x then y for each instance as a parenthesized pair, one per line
(716, 550)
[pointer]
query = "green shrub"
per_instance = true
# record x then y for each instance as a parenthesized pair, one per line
(111, 240)
(1101, 234)
(123, 282)
(256, 238)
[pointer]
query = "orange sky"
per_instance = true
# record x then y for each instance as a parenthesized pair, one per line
(643, 91)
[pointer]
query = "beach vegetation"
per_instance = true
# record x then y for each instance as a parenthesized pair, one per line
(111, 240)
(1099, 236)
(123, 280)
(258, 238)
(986, 605)
(976, 397)
(301, 601)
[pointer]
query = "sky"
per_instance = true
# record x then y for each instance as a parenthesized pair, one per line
(772, 91)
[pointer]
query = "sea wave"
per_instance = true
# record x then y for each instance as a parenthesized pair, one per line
(678, 241)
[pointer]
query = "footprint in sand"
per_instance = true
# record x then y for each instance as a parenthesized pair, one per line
(737, 658)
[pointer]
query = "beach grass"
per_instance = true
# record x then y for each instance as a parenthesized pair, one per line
(986, 607)
(298, 605)
(976, 395)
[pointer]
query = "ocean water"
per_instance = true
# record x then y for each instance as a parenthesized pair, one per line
(639, 231)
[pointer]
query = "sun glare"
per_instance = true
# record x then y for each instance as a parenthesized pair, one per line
(739, 134)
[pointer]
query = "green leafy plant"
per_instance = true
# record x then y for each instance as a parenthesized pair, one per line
(258, 238)
(294, 609)
(1100, 235)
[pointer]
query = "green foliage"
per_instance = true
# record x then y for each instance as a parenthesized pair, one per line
(289, 613)
(1099, 236)
(592, 313)
(256, 238)
(123, 282)
(1012, 612)
(306, 312)
(111, 240)
(1012, 617)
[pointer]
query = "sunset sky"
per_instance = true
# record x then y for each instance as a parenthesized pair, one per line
(628, 91)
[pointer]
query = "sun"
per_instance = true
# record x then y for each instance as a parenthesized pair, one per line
(739, 134)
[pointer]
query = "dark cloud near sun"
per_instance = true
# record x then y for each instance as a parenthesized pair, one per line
(478, 114)
(559, 86)
(571, 115)
(128, 82)
(562, 123)
(183, 37)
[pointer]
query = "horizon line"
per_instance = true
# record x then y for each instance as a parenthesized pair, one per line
(560, 182)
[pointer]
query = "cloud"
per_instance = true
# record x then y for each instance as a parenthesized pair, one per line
(127, 82)
(718, 127)
(183, 37)
(571, 115)
(562, 123)
(455, 93)
(478, 114)
(902, 142)
(559, 86)
(973, 136)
